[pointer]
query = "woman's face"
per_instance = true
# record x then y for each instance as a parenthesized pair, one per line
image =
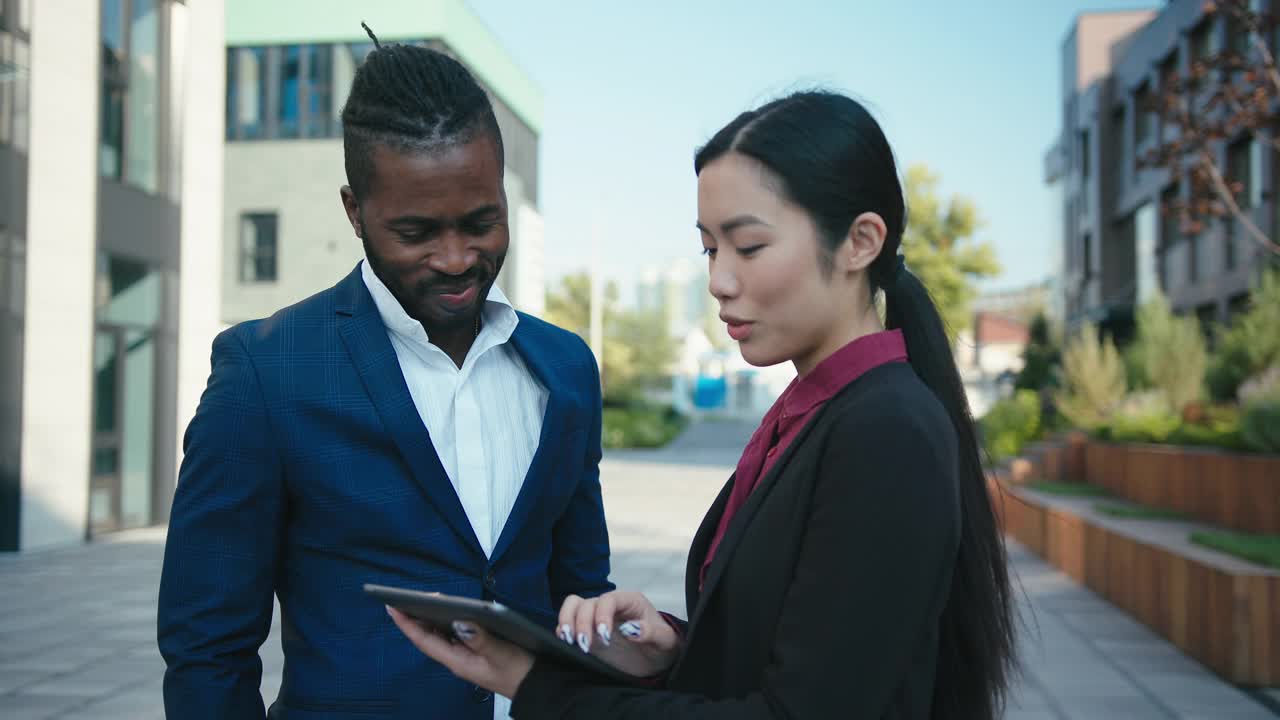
(764, 261)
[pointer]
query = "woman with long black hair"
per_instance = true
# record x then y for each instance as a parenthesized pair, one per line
(852, 566)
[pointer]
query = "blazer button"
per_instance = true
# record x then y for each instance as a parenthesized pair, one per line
(480, 695)
(490, 581)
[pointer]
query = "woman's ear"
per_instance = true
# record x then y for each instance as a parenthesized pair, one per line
(863, 244)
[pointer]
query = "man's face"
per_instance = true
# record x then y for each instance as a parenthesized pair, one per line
(434, 227)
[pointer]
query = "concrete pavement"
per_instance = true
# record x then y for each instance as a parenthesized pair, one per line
(77, 638)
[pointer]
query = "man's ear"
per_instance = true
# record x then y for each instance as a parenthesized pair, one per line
(352, 207)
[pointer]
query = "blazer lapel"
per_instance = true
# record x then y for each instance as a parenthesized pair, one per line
(550, 440)
(701, 543)
(365, 337)
(740, 521)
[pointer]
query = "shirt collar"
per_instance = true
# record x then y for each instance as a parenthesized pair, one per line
(843, 367)
(499, 317)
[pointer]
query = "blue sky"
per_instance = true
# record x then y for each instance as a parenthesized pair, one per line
(970, 89)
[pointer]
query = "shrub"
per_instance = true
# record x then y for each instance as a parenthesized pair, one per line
(1251, 344)
(1093, 379)
(1010, 424)
(1170, 353)
(1145, 428)
(1260, 423)
(640, 426)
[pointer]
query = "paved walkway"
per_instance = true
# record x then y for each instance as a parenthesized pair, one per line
(77, 638)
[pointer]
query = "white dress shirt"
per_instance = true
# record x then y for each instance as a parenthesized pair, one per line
(484, 418)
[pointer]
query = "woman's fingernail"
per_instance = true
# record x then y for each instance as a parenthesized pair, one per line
(566, 634)
(388, 609)
(630, 628)
(605, 636)
(466, 631)
(584, 642)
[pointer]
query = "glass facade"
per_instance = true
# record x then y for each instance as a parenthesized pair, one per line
(289, 91)
(121, 485)
(131, 84)
(284, 92)
(15, 63)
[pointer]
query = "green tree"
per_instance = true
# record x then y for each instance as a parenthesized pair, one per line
(939, 248)
(1171, 353)
(637, 346)
(1093, 379)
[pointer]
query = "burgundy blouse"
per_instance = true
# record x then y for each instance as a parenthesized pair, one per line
(789, 414)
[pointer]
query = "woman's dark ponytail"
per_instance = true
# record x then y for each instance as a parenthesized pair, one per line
(833, 160)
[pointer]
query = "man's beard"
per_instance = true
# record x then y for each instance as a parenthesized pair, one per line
(480, 275)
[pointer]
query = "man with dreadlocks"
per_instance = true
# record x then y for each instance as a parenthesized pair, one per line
(405, 427)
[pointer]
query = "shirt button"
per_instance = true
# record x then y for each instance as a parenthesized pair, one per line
(490, 581)
(480, 695)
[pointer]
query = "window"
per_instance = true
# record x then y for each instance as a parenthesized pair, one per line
(1145, 257)
(288, 119)
(258, 238)
(1118, 154)
(1144, 118)
(1241, 169)
(1229, 243)
(14, 85)
(15, 15)
(1238, 36)
(319, 91)
(1171, 238)
(1084, 154)
(1088, 258)
(246, 93)
(290, 91)
(1202, 42)
(130, 92)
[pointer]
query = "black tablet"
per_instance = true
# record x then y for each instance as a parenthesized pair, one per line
(440, 611)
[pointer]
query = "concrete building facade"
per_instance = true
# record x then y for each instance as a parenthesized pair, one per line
(290, 64)
(1118, 248)
(110, 150)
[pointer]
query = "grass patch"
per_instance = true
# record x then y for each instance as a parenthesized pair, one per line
(1068, 489)
(1260, 549)
(1138, 512)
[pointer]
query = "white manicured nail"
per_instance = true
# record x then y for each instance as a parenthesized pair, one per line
(630, 628)
(605, 636)
(466, 631)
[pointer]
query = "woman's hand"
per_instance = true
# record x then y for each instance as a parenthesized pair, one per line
(623, 629)
(480, 658)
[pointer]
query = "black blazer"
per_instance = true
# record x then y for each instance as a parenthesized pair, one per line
(824, 597)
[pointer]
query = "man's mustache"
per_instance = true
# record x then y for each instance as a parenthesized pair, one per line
(452, 284)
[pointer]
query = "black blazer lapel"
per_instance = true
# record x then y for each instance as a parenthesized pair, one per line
(701, 543)
(365, 337)
(742, 520)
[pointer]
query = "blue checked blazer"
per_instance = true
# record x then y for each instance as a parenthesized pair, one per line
(308, 472)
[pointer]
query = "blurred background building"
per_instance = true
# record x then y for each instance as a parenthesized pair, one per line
(120, 260)
(1117, 247)
(108, 256)
(290, 64)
